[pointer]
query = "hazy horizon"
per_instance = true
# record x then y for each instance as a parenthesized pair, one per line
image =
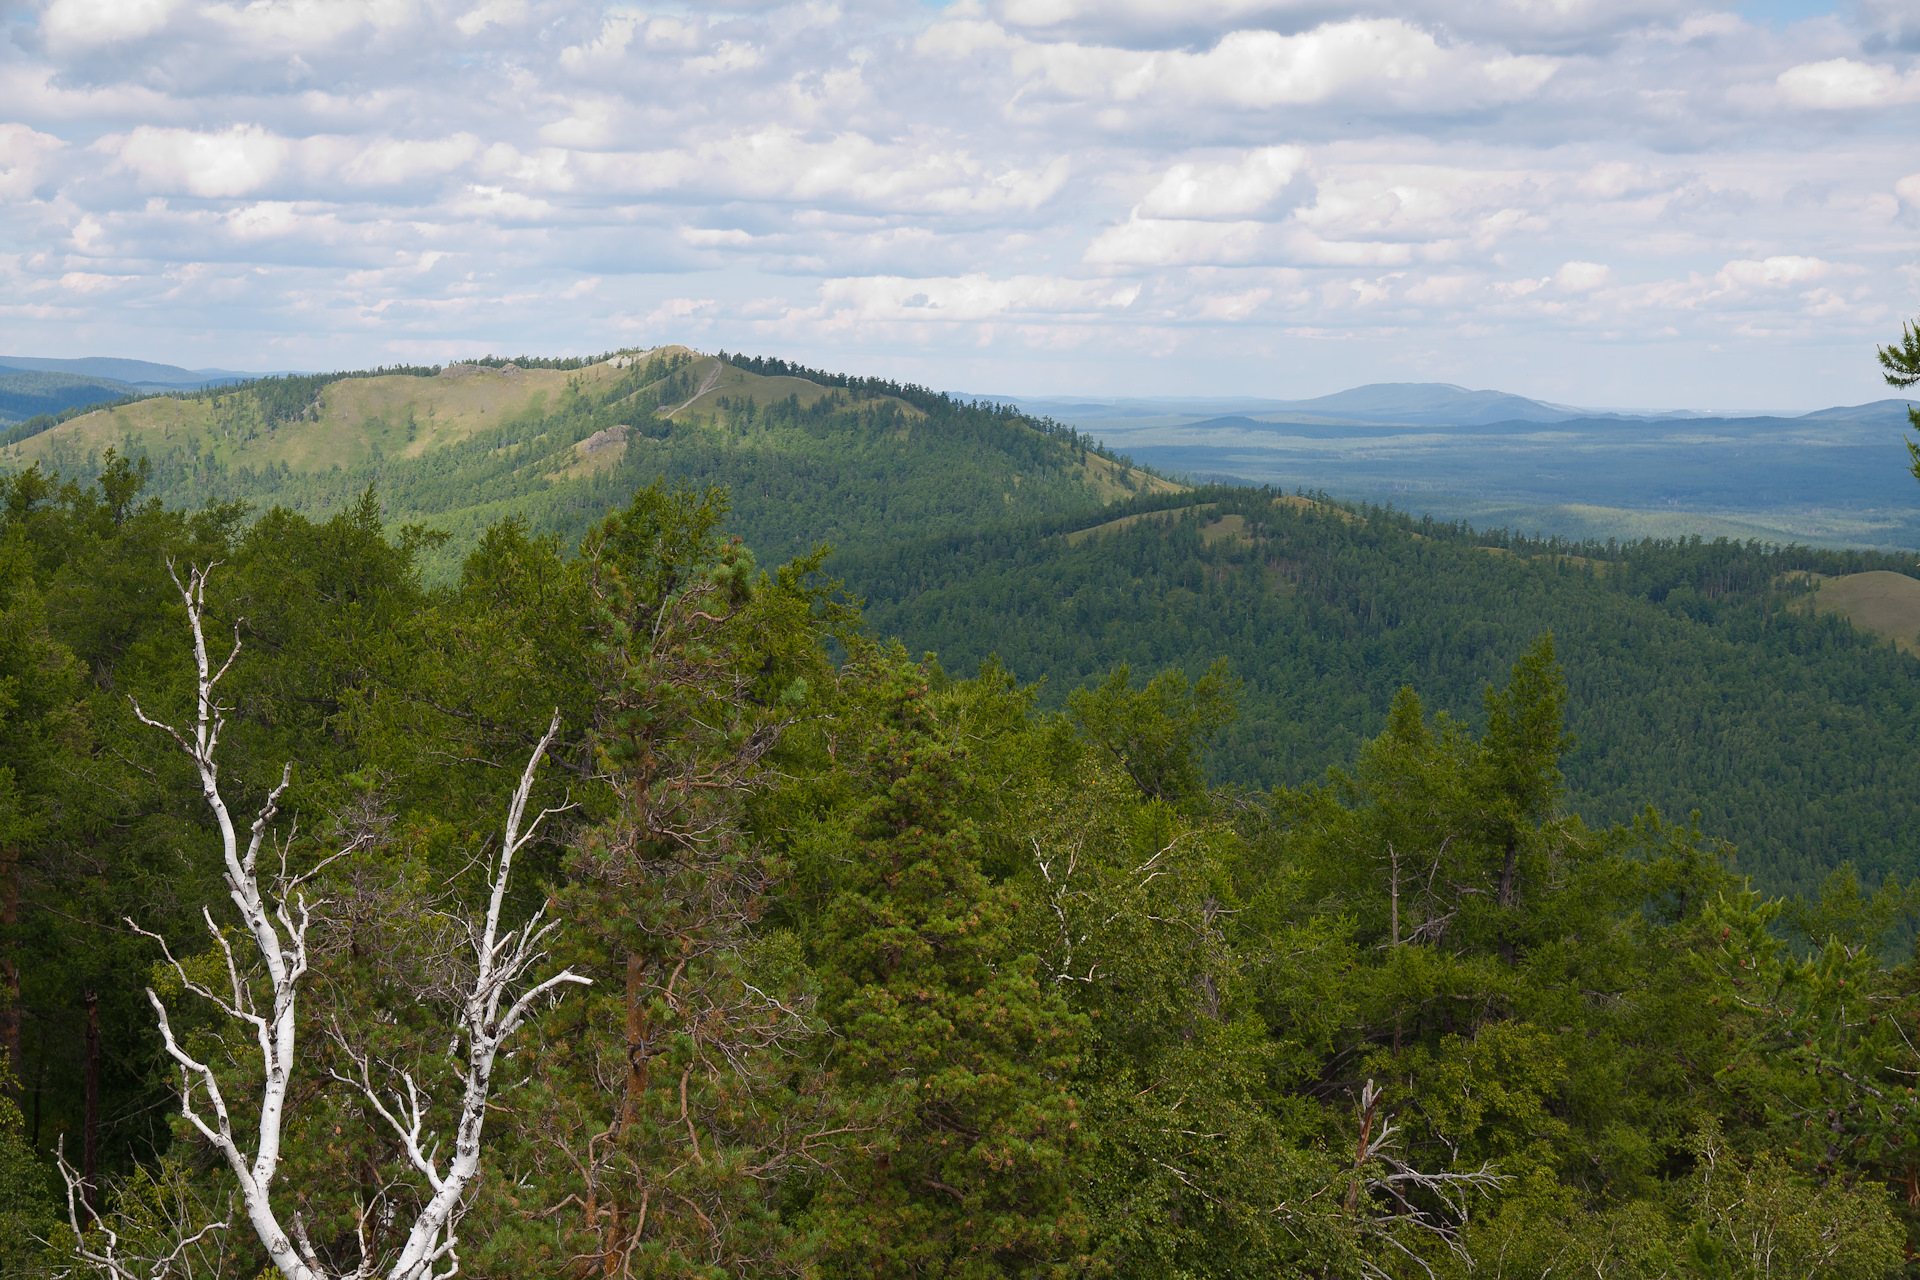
(1048, 397)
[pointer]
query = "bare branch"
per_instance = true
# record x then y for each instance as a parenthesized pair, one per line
(278, 935)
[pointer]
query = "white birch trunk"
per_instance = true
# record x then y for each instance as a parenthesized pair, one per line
(490, 1013)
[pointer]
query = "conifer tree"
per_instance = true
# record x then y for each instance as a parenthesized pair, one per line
(673, 1107)
(940, 1019)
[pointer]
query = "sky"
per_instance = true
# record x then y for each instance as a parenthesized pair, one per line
(1632, 203)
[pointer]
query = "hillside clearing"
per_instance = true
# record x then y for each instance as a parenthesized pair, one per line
(1880, 601)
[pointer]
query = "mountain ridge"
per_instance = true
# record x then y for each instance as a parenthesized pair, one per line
(1411, 403)
(459, 447)
(141, 373)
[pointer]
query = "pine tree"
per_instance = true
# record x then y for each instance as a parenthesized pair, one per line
(941, 1020)
(677, 1097)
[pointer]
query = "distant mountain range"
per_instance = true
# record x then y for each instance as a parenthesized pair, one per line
(1392, 403)
(140, 373)
(1835, 476)
(35, 385)
(72, 383)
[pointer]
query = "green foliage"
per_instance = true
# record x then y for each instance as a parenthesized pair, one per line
(945, 1026)
(1901, 360)
(1692, 682)
(27, 1199)
(28, 394)
(1157, 734)
(848, 469)
(670, 1103)
(898, 973)
(1901, 365)
(1732, 1219)
(931, 401)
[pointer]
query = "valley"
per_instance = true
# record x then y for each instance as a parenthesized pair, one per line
(1769, 688)
(1836, 477)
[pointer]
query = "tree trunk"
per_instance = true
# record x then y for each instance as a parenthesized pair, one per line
(90, 1149)
(614, 1247)
(637, 1075)
(1509, 893)
(9, 961)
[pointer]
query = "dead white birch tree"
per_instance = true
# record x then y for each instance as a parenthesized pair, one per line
(494, 1003)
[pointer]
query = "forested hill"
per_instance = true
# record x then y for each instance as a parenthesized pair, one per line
(973, 531)
(1696, 684)
(807, 457)
(634, 905)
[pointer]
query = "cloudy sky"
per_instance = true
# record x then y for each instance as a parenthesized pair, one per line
(1605, 202)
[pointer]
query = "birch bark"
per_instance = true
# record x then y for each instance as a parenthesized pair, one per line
(493, 1008)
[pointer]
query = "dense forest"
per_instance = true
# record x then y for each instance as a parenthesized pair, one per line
(1697, 685)
(1219, 883)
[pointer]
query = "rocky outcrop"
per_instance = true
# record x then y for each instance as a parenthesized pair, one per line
(611, 438)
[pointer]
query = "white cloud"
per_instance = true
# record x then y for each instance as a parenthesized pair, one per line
(1615, 179)
(1582, 277)
(1775, 272)
(1150, 242)
(24, 153)
(715, 238)
(624, 35)
(390, 161)
(608, 46)
(1510, 19)
(1842, 83)
(70, 23)
(728, 55)
(1231, 307)
(1442, 291)
(967, 298)
(680, 310)
(268, 218)
(490, 203)
(491, 13)
(963, 38)
(590, 124)
(233, 162)
(1153, 242)
(916, 187)
(90, 281)
(1896, 22)
(779, 163)
(1359, 59)
(1229, 190)
(305, 25)
(1421, 203)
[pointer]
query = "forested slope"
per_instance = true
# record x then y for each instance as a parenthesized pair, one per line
(965, 528)
(1694, 685)
(27, 394)
(557, 443)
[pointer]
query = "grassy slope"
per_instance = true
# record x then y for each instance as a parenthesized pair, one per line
(1880, 601)
(472, 445)
(356, 421)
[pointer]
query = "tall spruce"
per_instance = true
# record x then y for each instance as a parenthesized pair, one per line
(674, 1106)
(940, 1019)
